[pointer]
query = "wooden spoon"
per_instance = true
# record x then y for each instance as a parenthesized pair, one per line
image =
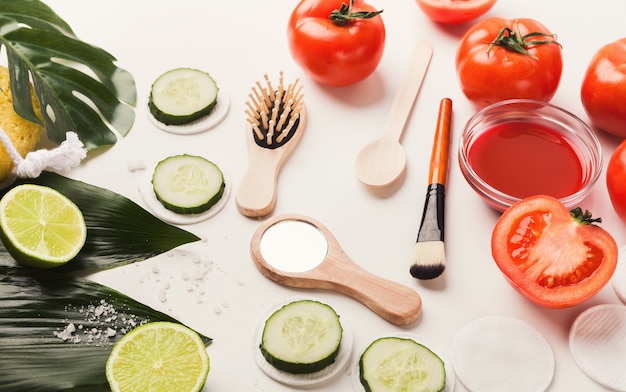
(382, 161)
(393, 301)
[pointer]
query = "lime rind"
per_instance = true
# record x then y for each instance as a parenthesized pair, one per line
(134, 358)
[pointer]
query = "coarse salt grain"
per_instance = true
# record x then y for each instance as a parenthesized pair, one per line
(101, 322)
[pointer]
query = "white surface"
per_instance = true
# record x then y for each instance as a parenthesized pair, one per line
(213, 285)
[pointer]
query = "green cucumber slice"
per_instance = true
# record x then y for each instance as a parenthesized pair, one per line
(187, 184)
(392, 364)
(302, 337)
(182, 95)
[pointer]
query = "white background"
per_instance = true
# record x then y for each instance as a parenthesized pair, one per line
(238, 42)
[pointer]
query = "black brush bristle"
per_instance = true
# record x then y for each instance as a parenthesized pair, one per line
(426, 272)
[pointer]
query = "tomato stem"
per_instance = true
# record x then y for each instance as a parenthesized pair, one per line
(512, 40)
(584, 218)
(344, 14)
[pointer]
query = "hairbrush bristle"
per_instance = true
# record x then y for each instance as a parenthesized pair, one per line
(274, 112)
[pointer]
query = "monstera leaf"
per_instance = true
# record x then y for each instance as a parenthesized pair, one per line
(78, 86)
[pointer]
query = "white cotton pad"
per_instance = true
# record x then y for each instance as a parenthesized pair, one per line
(497, 353)
(450, 376)
(202, 124)
(618, 281)
(310, 380)
(155, 207)
(597, 340)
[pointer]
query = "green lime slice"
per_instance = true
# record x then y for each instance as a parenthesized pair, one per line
(158, 357)
(41, 227)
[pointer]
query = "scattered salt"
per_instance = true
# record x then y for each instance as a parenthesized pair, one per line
(134, 165)
(101, 322)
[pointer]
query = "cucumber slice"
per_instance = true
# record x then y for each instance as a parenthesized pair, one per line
(187, 184)
(392, 364)
(302, 337)
(182, 95)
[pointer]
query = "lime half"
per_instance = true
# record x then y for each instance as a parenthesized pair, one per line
(158, 357)
(41, 227)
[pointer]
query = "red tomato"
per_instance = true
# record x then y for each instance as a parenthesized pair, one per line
(500, 59)
(454, 11)
(616, 180)
(603, 91)
(554, 257)
(336, 44)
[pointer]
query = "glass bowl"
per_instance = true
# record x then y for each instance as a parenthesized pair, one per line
(517, 148)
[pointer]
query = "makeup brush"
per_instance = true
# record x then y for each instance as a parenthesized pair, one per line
(429, 259)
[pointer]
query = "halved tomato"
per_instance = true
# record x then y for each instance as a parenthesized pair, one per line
(555, 257)
(454, 11)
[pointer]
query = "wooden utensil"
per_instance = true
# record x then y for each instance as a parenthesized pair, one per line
(392, 301)
(269, 145)
(382, 161)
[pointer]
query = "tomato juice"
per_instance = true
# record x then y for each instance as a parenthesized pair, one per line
(523, 158)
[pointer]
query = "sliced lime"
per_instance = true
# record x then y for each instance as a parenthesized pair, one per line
(41, 227)
(158, 357)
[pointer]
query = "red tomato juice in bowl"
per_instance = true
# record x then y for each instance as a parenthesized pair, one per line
(519, 148)
(523, 159)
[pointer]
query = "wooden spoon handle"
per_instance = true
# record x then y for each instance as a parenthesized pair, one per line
(439, 159)
(407, 92)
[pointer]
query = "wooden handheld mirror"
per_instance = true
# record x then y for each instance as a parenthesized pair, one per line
(297, 251)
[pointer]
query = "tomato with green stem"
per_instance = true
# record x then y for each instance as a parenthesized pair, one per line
(335, 43)
(555, 257)
(454, 11)
(500, 59)
(603, 90)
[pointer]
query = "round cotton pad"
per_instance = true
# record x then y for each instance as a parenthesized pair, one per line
(597, 340)
(154, 205)
(618, 281)
(203, 124)
(450, 376)
(497, 353)
(310, 380)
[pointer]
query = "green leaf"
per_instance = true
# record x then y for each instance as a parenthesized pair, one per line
(78, 85)
(119, 231)
(36, 309)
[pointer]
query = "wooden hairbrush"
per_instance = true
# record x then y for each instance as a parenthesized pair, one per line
(276, 117)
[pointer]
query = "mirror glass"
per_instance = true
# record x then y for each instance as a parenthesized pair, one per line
(293, 246)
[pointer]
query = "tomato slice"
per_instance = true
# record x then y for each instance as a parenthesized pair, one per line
(555, 257)
(454, 11)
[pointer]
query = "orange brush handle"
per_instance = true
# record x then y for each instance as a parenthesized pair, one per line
(439, 157)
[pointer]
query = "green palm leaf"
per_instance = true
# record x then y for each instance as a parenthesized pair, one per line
(38, 351)
(78, 84)
(118, 230)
